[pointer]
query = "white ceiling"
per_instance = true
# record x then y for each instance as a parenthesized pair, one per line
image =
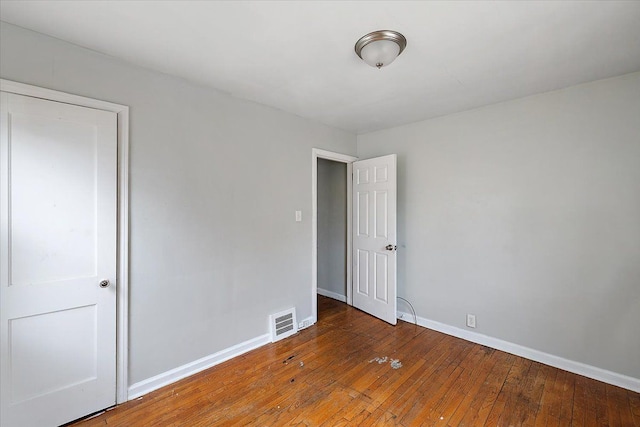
(298, 56)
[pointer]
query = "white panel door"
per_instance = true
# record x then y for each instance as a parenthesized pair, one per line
(58, 221)
(374, 237)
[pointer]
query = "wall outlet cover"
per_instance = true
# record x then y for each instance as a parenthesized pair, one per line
(471, 320)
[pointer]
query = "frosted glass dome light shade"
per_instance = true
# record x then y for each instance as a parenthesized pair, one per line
(380, 48)
(380, 53)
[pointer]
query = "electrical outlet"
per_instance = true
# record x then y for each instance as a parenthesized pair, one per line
(471, 320)
(304, 324)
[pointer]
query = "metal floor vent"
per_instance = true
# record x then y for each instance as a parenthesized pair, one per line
(283, 324)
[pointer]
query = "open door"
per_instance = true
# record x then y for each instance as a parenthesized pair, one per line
(374, 237)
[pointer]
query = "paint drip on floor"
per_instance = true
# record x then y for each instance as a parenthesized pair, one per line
(395, 363)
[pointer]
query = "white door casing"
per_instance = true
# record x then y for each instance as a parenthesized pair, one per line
(374, 237)
(58, 208)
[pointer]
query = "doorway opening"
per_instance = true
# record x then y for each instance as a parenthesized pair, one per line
(333, 249)
(371, 195)
(332, 230)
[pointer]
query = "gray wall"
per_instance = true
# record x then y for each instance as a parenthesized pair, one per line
(332, 226)
(527, 214)
(215, 183)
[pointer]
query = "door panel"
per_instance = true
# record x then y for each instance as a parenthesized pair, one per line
(362, 214)
(381, 277)
(374, 200)
(58, 220)
(53, 234)
(38, 351)
(382, 211)
(362, 272)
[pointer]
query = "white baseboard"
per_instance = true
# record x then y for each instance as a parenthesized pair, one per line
(331, 294)
(150, 384)
(579, 368)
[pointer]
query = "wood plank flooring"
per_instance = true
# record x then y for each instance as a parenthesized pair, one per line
(327, 376)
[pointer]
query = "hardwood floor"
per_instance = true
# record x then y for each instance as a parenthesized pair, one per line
(327, 376)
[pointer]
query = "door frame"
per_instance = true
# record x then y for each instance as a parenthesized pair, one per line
(316, 154)
(122, 256)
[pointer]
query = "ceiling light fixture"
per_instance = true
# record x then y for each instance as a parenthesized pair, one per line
(380, 48)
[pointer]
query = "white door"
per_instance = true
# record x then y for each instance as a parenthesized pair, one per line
(58, 242)
(374, 237)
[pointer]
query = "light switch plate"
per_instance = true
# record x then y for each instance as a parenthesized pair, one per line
(298, 216)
